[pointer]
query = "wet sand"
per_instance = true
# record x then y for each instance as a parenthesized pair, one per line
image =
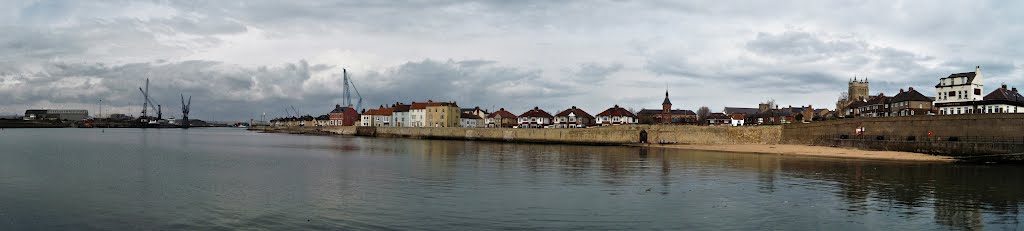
(818, 151)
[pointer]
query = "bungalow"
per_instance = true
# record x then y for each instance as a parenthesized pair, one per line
(616, 116)
(469, 120)
(573, 118)
(535, 118)
(501, 119)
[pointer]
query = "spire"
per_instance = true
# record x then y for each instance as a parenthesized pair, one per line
(666, 102)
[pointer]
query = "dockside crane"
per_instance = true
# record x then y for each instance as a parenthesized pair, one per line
(348, 95)
(185, 107)
(148, 101)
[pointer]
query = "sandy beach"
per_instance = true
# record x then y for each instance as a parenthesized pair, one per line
(819, 151)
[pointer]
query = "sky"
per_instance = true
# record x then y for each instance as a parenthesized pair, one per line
(240, 59)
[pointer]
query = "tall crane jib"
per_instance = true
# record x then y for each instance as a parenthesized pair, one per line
(346, 95)
(185, 108)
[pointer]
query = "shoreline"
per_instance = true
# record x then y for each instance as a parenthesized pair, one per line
(812, 151)
(776, 149)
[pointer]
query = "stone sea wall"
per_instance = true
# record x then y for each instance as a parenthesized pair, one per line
(955, 135)
(610, 135)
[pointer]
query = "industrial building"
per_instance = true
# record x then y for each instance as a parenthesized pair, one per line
(56, 114)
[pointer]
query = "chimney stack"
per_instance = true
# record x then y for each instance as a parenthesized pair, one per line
(1004, 86)
(901, 90)
(1015, 89)
(911, 89)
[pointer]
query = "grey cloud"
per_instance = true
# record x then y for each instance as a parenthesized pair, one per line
(797, 44)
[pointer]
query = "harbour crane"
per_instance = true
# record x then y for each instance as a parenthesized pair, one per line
(348, 95)
(185, 107)
(148, 101)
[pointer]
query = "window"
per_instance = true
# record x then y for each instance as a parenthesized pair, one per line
(977, 91)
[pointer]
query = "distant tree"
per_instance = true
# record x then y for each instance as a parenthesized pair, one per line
(702, 115)
(799, 117)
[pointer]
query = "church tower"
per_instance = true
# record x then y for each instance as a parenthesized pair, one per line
(666, 110)
(858, 90)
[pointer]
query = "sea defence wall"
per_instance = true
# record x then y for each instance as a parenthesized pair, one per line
(609, 135)
(955, 135)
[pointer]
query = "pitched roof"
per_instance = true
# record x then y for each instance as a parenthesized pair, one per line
(575, 111)
(856, 103)
(536, 112)
(616, 111)
(910, 95)
(741, 110)
(470, 110)
(424, 105)
(469, 116)
(503, 113)
(718, 115)
(380, 111)
(659, 112)
(1004, 94)
(339, 109)
(666, 99)
(880, 99)
(970, 77)
(418, 105)
(402, 107)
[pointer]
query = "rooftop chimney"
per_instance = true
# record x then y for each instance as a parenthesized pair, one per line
(1014, 89)
(901, 90)
(911, 89)
(1004, 86)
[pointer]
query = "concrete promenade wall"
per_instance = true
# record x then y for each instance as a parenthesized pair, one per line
(610, 135)
(950, 134)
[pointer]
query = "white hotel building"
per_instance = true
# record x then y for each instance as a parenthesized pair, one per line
(961, 93)
(956, 93)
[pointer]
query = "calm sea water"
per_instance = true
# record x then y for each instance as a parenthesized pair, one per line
(201, 179)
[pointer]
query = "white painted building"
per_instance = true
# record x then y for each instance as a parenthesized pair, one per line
(535, 118)
(616, 116)
(418, 115)
(956, 93)
(366, 120)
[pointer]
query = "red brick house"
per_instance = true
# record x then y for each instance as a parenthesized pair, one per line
(342, 116)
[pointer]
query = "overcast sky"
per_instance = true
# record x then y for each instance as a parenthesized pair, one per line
(239, 59)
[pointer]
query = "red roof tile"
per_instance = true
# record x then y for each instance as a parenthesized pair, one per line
(503, 113)
(576, 111)
(616, 111)
(536, 112)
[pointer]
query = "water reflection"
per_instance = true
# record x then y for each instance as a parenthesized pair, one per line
(954, 195)
(159, 179)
